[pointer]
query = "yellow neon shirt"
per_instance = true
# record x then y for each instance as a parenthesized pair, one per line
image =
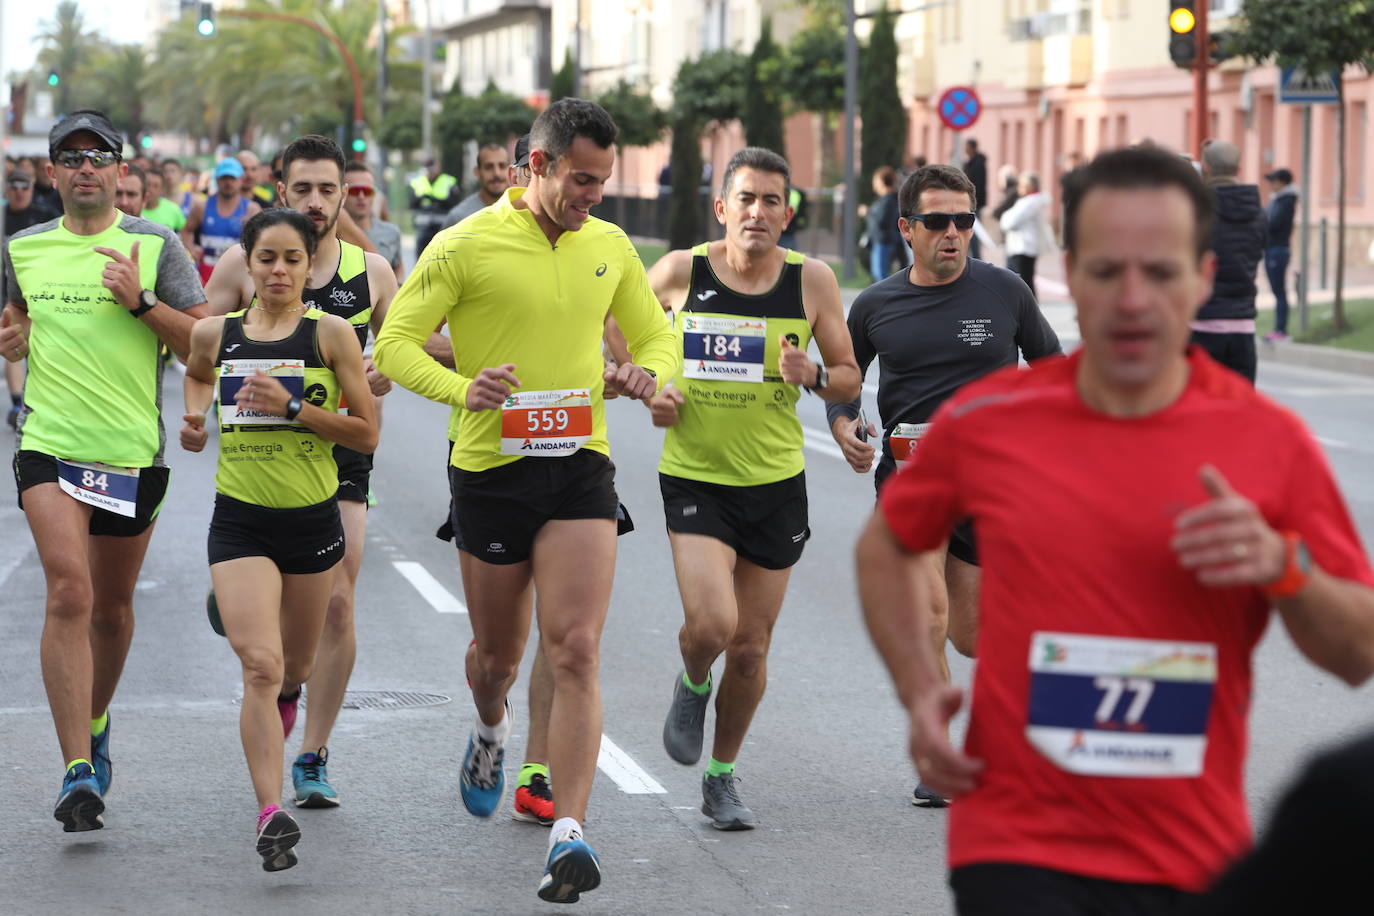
(511, 297)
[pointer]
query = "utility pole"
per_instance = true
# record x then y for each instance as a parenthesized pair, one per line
(1201, 65)
(426, 86)
(381, 86)
(577, 53)
(851, 181)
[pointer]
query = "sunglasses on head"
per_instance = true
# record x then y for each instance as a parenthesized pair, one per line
(939, 222)
(72, 158)
(362, 191)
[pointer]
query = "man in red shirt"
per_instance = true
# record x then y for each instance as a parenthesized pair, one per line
(1160, 509)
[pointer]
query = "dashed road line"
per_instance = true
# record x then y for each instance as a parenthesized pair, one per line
(439, 598)
(624, 772)
(821, 442)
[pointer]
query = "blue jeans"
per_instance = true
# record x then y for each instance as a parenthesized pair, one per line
(1276, 268)
(880, 260)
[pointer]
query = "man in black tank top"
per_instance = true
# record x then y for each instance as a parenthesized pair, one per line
(357, 286)
(948, 320)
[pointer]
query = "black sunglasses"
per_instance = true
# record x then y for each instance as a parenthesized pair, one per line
(71, 158)
(939, 222)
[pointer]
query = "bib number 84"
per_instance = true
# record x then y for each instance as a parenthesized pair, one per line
(93, 481)
(547, 420)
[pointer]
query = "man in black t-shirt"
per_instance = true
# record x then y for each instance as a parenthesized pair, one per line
(948, 320)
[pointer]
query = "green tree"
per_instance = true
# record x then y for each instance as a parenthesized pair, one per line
(561, 83)
(401, 129)
(492, 117)
(114, 81)
(813, 72)
(67, 47)
(1316, 36)
(762, 117)
(883, 135)
(639, 120)
(708, 91)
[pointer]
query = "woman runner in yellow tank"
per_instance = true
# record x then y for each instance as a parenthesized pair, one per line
(279, 369)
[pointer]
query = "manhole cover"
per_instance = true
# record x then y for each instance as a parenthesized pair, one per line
(391, 699)
(379, 699)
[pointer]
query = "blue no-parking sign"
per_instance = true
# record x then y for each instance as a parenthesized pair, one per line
(959, 107)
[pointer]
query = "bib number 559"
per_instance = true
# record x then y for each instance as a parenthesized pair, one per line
(548, 420)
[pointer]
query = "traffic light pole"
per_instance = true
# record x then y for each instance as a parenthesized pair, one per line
(1201, 64)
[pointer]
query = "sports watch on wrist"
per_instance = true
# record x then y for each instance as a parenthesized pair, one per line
(1296, 568)
(293, 408)
(822, 378)
(146, 301)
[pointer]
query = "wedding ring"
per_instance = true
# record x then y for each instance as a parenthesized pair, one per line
(1241, 551)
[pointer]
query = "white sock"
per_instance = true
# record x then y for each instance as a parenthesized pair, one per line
(562, 829)
(495, 734)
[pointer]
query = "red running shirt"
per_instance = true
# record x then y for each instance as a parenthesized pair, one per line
(1111, 690)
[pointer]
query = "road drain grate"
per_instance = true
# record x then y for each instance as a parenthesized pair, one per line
(380, 699)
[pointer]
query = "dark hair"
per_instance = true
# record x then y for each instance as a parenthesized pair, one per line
(142, 176)
(277, 216)
(311, 148)
(169, 161)
(500, 147)
(887, 175)
(356, 166)
(1134, 169)
(933, 177)
(564, 121)
(759, 159)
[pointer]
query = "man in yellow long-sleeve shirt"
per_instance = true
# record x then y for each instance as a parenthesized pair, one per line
(525, 286)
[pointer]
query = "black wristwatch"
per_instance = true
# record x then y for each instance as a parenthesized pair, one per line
(293, 408)
(822, 378)
(146, 301)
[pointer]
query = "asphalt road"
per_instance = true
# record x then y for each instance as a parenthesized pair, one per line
(824, 770)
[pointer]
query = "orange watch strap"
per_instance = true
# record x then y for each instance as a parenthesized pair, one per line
(1294, 576)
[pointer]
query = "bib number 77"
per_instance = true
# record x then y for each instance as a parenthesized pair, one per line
(1113, 688)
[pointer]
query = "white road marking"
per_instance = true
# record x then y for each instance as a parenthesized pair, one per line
(821, 442)
(624, 772)
(1333, 443)
(1318, 391)
(440, 598)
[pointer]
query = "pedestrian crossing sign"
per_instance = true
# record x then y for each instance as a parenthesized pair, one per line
(1297, 87)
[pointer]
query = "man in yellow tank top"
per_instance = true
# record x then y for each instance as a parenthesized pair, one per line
(734, 488)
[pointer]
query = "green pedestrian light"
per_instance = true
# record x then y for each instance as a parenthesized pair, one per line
(53, 78)
(206, 24)
(146, 142)
(359, 145)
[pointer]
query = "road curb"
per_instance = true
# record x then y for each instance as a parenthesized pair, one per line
(1313, 356)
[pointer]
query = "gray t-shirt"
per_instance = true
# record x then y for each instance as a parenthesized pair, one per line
(465, 208)
(932, 340)
(387, 237)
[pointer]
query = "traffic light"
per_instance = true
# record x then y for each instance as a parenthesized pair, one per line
(1220, 46)
(53, 78)
(146, 142)
(359, 145)
(205, 24)
(1183, 32)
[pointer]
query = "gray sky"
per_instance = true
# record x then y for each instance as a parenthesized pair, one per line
(119, 20)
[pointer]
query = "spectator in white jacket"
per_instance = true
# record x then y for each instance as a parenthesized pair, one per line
(1025, 234)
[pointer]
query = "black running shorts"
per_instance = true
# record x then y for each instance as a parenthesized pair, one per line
(961, 541)
(355, 474)
(996, 889)
(300, 541)
(503, 508)
(765, 524)
(32, 468)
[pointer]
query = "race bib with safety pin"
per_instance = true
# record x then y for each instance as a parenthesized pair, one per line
(100, 485)
(903, 438)
(549, 424)
(1108, 706)
(723, 348)
(233, 373)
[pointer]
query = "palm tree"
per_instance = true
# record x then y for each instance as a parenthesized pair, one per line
(67, 47)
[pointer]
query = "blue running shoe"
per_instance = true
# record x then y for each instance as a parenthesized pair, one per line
(100, 759)
(79, 806)
(482, 781)
(311, 780)
(573, 868)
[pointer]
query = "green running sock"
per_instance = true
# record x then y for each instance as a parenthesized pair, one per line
(76, 761)
(99, 725)
(716, 768)
(700, 690)
(529, 771)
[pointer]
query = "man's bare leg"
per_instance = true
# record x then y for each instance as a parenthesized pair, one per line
(339, 642)
(963, 580)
